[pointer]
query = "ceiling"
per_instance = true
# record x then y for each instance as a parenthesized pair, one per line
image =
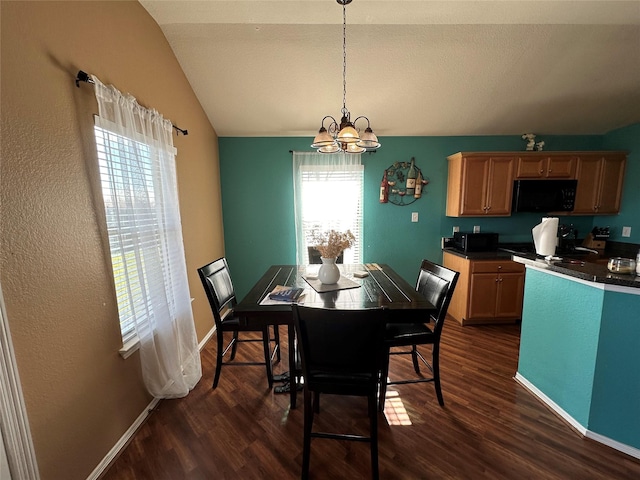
(273, 68)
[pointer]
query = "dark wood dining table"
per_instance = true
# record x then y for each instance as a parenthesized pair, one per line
(381, 287)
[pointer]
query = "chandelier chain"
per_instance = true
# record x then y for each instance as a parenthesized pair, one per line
(344, 136)
(344, 60)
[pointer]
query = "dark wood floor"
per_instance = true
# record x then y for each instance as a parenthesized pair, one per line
(490, 427)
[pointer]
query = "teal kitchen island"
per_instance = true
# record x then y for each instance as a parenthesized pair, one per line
(580, 348)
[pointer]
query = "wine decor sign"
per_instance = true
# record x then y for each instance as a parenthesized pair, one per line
(402, 183)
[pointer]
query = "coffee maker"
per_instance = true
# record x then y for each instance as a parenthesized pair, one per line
(567, 236)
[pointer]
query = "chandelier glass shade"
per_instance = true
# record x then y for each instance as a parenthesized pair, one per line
(344, 137)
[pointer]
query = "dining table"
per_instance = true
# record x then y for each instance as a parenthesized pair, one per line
(361, 286)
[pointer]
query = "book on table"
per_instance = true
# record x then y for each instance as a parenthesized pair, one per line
(286, 294)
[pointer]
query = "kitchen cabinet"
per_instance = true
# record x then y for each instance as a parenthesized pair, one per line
(488, 291)
(480, 184)
(539, 165)
(600, 178)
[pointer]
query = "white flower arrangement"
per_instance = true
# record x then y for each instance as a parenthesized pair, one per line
(330, 244)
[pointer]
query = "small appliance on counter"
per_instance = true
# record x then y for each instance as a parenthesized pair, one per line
(567, 236)
(468, 242)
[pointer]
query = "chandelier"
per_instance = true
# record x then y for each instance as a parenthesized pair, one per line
(344, 137)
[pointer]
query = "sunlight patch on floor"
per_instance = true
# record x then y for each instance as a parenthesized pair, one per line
(394, 410)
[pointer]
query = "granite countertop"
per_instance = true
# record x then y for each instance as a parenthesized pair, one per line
(581, 268)
(590, 267)
(495, 255)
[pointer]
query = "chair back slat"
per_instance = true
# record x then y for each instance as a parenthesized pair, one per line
(339, 341)
(437, 284)
(217, 283)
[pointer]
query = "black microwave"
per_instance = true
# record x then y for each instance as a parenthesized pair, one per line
(475, 242)
(544, 196)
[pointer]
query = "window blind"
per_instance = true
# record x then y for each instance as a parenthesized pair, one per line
(332, 200)
(131, 191)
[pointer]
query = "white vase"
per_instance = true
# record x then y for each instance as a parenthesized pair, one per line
(328, 273)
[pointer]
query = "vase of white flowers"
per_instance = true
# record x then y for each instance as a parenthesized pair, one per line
(330, 244)
(329, 273)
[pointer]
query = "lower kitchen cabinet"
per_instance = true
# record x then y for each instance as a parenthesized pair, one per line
(488, 291)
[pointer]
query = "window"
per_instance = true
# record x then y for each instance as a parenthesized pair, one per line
(129, 200)
(328, 192)
(136, 160)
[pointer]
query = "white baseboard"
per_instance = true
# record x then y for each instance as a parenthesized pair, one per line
(124, 440)
(629, 450)
(206, 338)
(120, 444)
(621, 447)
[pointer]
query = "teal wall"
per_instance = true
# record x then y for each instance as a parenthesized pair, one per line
(579, 346)
(559, 340)
(257, 199)
(615, 408)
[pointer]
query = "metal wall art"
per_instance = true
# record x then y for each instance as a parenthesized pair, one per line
(402, 183)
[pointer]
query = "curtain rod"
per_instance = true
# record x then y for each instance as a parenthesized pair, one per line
(84, 77)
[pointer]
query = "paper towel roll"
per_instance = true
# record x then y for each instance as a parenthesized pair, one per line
(545, 236)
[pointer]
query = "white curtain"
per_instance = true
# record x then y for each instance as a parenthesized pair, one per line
(138, 174)
(328, 195)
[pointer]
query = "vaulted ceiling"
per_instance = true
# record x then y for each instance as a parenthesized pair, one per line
(416, 68)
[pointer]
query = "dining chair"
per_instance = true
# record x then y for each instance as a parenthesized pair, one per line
(340, 354)
(217, 283)
(315, 257)
(437, 284)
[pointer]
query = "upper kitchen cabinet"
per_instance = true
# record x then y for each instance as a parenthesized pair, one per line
(480, 184)
(536, 165)
(600, 176)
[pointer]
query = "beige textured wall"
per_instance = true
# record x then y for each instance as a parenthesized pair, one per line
(81, 396)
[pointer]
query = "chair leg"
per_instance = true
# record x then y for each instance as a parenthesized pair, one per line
(234, 348)
(276, 337)
(216, 377)
(267, 355)
(308, 423)
(373, 422)
(414, 358)
(383, 380)
(436, 373)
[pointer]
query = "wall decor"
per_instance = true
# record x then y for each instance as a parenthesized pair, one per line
(531, 142)
(402, 183)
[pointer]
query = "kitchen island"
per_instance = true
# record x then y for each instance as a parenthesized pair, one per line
(580, 347)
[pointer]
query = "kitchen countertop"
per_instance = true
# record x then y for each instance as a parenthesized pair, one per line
(579, 266)
(495, 255)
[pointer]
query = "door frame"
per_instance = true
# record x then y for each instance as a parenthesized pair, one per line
(16, 435)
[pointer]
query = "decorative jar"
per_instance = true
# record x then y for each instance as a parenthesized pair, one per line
(621, 265)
